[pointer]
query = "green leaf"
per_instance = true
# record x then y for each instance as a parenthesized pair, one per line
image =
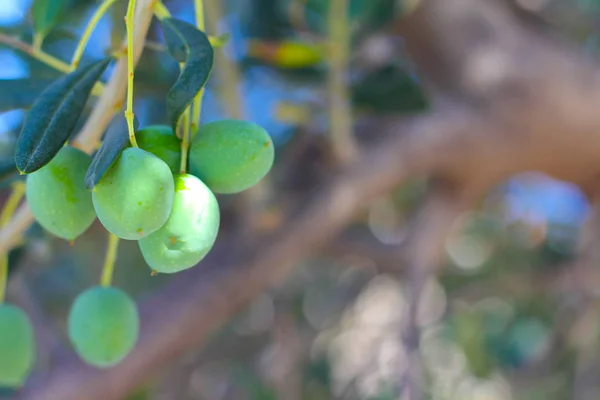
(115, 141)
(61, 33)
(186, 44)
(54, 115)
(390, 88)
(20, 93)
(175, 42)
(46, 13)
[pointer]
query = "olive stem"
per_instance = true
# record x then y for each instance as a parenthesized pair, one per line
(38, 54)
(129, 116)
(199, 9)
(18, 190)
(109, 262)
(44, 57)
(185, 141)
(197, 104)
(3, 275)
(89, 29)
(340, 114)
(160, 10)
(37, 41)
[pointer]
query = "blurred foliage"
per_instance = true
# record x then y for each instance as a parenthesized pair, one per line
(493, 321)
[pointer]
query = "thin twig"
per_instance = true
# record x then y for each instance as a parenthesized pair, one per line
(44, 57)
(129, 115)
(89, 29)
(39, 55)
(18, 191)
(109, 261)
(197, 103)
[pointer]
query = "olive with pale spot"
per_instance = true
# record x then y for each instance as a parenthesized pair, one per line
(189, 233)
(135, 196)
(57, 195)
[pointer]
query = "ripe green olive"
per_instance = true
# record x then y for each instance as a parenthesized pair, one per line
(58, 197)
(17, 346)
(103, 326)
(135, 196)
(230, 156)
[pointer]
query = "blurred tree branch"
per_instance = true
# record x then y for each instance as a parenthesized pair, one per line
(424, 252)
(340, 114)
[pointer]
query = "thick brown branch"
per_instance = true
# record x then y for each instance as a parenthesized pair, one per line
(541, 93)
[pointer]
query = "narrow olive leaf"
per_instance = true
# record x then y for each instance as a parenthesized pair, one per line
(54, 115)
(61, 33)
(20, 93)
(186, 44)
(116, 139)
(175, 42)
(46, 13)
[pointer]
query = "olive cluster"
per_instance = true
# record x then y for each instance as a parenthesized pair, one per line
(143, 196)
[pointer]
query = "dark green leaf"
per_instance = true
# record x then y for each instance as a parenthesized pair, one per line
(20, 93)
(389, 89)
(190, 45)
(46, 13)
(61, 33)
(115, 141)
(54, 115)
(175, 42)
(266, 19)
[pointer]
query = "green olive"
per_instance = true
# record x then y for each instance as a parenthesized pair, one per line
(230, 156)
(58, 197)
(17, 346)
(161, 141)
(135, 196)
(103, 326)
(189, 233)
